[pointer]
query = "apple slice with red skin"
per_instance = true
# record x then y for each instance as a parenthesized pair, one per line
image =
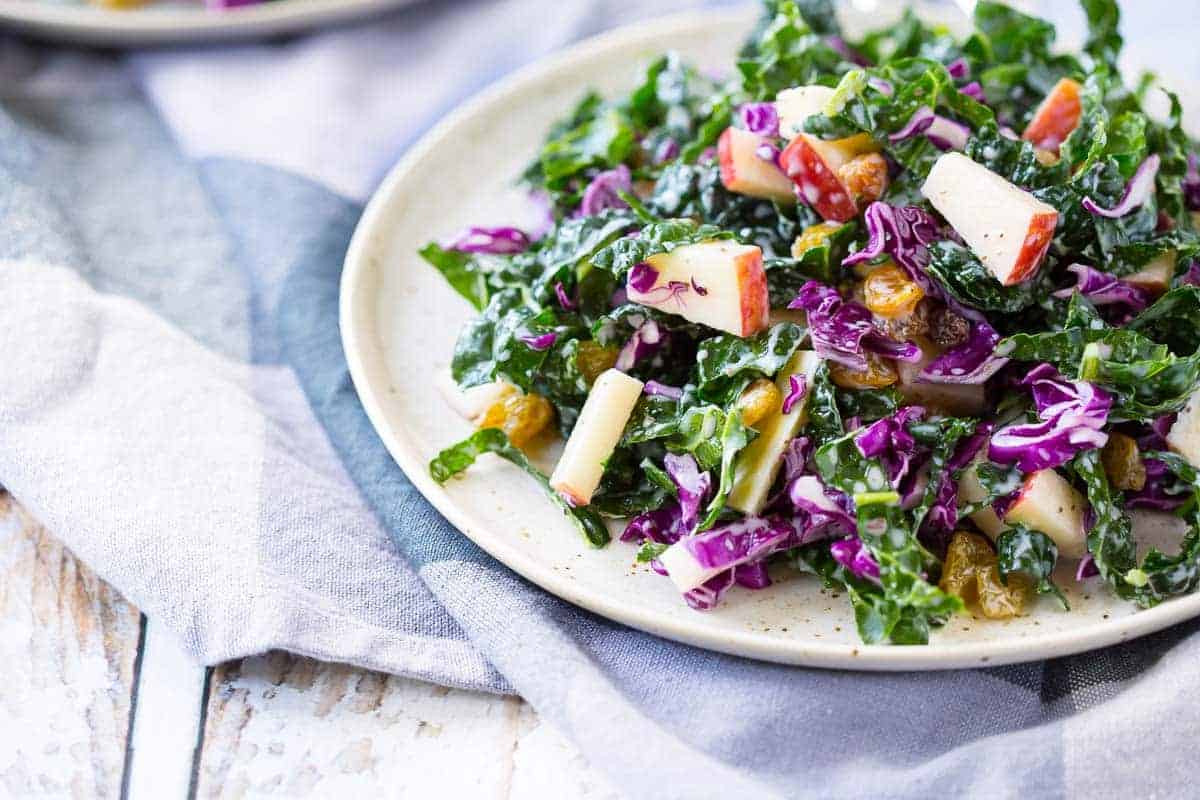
(717, 283)
(1005, 226)
(746, 172)
(814, 165)
(1155, 276)
(1056, 117)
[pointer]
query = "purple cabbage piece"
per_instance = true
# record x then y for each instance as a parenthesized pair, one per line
(645, 342)
(882, 86)
(889, 441)
(844, 331)
(1087, 568)
(748, 539)
(1072, 417)
(975, 91)
(761, 118)
(824, 510)
(539, 341)
(706, 596)
(1139, 189)
(659, 525)
(564, 299)
(1104, 289)
(1191, 183)
(839, 46)
(668, 150)
(942, 517)
(602, 192)
(693, 487)
(904, 233)
(752, 575)
(972, 362)
(852, 555)
(797, 388)
(944, 132)
(959, 69)
(1192, 276)
(768, 152)
(653, 388)
(493, 241)
(918, 123)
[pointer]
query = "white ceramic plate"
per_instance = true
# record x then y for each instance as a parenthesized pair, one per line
(172, 23)
(399, 321)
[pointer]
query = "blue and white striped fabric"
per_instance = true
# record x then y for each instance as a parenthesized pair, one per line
(175, 405)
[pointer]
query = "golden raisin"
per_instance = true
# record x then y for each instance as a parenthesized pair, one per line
(879, 373)
(593, 359)
(758, 400)
(865, 177)
(813, 236)
(1122, 462)
(1047, 158)
(966, 556)
(889, 293)
(998, 600)
(521, 416)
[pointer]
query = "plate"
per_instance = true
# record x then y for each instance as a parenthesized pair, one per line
(399, 321)
(176, 23)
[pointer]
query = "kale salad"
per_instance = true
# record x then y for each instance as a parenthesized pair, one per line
(916, 314)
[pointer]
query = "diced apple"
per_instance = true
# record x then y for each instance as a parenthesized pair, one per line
(472, 403)
(818, 168)
(1155, 276)
(1184, 436)
(1049, 504)
(955, 399)
(745, 171)
(720, 284)
(1006, 227)
(796, 105)
(757, 465)
(1056, 117)
(970, 490)
(595, 435)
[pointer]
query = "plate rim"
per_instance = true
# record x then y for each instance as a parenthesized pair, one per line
(175, 25)
(356, 323)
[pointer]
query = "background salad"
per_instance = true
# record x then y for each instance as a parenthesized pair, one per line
(915, 314)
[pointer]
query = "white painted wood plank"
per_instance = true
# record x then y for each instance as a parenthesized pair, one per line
(287, 726)
(548, 766)
(68, 643)
(166, 726)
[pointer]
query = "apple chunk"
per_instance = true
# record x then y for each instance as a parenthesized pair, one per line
(745, 171)
(794, 106)
(1056, 117)
(1184, 436)
(595, 435)
(1049, 504)
(719, 283)
(1155, 276)
(757, 465)
(970, 490)
(822, 171)
(1006, 227)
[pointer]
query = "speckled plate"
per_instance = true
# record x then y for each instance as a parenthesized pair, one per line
(399, 321)
(177, 22)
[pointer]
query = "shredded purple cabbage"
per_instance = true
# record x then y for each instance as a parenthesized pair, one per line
(693, 487)
(884, 87)
(839, 46)
(563, 299)
(645, 342)
(653, 388)
(797, 387)
(642, 276)
(1087, 568)
(539, 341)
(668, 150)
(889, 441)
(852, 555)
(1072, 415)
(603, 191)
(972, 362)
(761, 118)
(1104, 289)
(975, 91)
(945, 133)
(1139, 189)
(843, 331)
(493, 241)
(959, 69)
(1162, 490)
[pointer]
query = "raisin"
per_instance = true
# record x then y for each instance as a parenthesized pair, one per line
(593, 359)
(947, 328)
(888, 292)
(879, 373)
(1122, 463)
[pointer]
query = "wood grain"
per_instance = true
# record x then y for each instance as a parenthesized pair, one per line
(289, 725)
(68, 645)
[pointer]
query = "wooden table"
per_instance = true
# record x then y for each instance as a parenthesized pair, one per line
(97, 702)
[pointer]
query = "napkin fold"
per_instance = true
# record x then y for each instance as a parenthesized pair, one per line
(175, 405)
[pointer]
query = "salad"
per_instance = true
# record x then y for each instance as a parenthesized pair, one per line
(917, 315)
